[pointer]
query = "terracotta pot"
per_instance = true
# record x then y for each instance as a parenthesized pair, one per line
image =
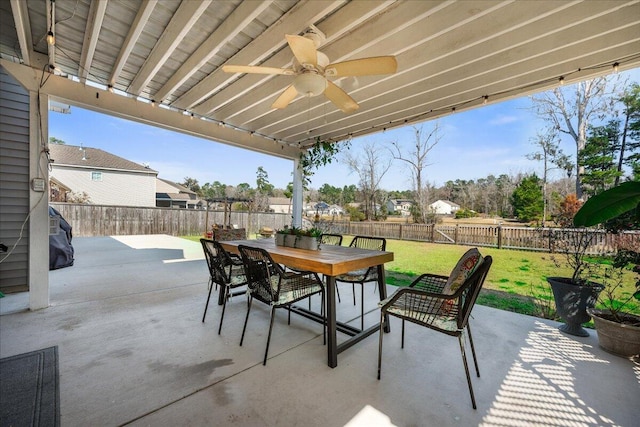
(572, 302)
(617, 338)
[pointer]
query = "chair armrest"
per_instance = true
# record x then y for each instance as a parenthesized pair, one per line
(430, 283)
(235, 259)
(421, 303)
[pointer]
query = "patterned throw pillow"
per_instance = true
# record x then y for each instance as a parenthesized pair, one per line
(463, 269)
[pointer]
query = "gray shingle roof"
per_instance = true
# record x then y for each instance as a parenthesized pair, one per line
(72, 155)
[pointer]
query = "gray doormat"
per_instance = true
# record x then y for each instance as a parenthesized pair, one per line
(29, 389)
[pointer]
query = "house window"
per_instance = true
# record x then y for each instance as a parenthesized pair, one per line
(96, 176)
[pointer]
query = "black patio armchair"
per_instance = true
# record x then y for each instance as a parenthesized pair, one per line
(335, 240)
(441, 303)
(269, 283)
(225, 269)
(363, 275)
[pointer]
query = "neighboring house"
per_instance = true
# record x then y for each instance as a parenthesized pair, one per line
(443, 207)
(401, 206)
(173, 195)
(280, 204)
(105, 178)
(335, 210)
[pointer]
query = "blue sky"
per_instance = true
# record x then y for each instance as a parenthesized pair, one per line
(493, 139)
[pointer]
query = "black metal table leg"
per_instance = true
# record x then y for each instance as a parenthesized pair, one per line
(332, 344)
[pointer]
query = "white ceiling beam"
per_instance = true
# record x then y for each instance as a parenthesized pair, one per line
(132, 38)
(185, 17)
(293, 22)
(23, 29)
(242, 16)
(91, 34)
(85, 96)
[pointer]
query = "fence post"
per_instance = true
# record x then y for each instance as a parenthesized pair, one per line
(455, 235)
(499, 236)
(400, 232)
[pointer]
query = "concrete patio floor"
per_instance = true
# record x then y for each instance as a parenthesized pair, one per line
(133, 351)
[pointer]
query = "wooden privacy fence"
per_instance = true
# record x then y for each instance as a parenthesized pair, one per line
(101, 220)
(97, 220)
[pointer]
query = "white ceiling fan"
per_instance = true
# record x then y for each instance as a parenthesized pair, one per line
(311, 69)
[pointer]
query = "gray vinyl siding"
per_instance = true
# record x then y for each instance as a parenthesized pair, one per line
(14, 183)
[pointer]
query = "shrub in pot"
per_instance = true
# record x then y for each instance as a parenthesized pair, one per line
(569, 245)
(619, 209)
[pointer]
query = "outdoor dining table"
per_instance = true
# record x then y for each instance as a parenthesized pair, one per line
(330, 261)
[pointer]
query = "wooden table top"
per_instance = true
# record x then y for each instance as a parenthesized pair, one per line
(330, 260)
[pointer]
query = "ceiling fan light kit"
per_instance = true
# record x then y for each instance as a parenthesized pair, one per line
(312, 68)
(310, 84)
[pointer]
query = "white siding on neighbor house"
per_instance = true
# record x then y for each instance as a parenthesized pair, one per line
(443, 208)
(121, 188)
(280, 208)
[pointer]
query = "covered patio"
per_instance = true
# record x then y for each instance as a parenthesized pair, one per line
(163, 63)
(133, 351)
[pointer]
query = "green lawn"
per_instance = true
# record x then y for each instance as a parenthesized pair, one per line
(516, 281)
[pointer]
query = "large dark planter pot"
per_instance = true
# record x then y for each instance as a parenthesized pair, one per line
(572, 302)
(617, 338)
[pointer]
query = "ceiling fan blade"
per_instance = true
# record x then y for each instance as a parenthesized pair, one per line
(363, 67)
(303, 49)
(285, 98)
(340, 98)
(249, 69)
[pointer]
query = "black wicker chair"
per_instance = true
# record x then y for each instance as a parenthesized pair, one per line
(430, 301)
(225, 270)
(364, 275)
(335, 240)
(269, 283)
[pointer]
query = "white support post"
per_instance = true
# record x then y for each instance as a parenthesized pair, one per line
(297, 193)
(38, 203)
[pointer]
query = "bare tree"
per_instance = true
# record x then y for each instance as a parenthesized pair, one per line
(551, 157)
(570, 110)
(371, 166)
(416, 158)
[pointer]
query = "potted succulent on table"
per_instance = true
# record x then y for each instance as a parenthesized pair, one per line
(309, 239)
(619, 210)
(286, 236)
(573, 295)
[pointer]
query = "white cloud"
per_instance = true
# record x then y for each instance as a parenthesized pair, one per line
(503, 120)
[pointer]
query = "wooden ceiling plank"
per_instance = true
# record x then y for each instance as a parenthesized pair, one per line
(132, 37)
(97, 10)
(181, 22)
(242, 16)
